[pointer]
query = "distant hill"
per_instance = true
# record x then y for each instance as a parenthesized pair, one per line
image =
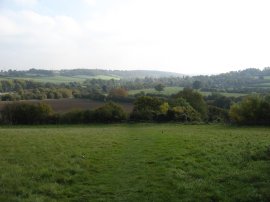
(120, 74)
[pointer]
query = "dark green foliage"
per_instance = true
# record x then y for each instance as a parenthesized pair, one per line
(182, 111)
(159, 87)
(73, 117)
(195, 99)
(221, 101)
(22, 113)
(146, 108)
(183, 114)
(110, 112)
(145, 103)
(217, 114)
(197, 84)
(252, 110)
(8, 97)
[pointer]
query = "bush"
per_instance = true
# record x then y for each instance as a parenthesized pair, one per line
(195, 99)
(182, 111)
(251, 110)
(109, 113)
(217, 114)
(72, 117)
(147, 108)
(22, 113)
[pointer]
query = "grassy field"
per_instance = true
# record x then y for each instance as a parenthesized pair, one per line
(62, 79)
(226, 94)
(140, 162)
(174, 90)
(167, 90)
(66, 105)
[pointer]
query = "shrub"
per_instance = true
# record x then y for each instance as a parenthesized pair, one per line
(147, 108)
(110, 112)
(195, 99)
(22, 113)
(251, 110)
(217, 114)
(72, 117)
(180, 110)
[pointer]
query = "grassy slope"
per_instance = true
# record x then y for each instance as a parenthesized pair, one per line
(62, 79)
(134, 163)
(167, 90)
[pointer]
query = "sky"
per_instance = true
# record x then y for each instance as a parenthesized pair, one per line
(184, 36)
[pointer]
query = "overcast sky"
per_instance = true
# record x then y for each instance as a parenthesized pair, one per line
(185, 36)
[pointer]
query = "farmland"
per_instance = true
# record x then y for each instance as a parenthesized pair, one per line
(61, 79)
(176, 89)
(140, 162)
(167, 90)
(67, 105)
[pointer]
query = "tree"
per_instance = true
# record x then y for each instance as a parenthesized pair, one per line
(23, 113)
(182, 111)
(110, 112)
(197, 84)
(251, 110)
(195, 99)
(147, 108)
(159, 87)
(118, 92)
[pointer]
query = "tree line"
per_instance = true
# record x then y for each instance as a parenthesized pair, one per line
(186, 106)
(245, 81)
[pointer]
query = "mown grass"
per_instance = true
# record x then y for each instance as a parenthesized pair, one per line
(140, 162)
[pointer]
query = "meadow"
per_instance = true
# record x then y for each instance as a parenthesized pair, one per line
(61, 79)
(134, 162)
(176, 89)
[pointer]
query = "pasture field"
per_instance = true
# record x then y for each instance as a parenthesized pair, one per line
(62, 79)
(167, 90)
(225, 94)
(175, 89)
(134, 162)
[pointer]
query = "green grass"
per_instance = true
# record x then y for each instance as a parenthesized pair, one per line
(266, 77)
(266, 84)
(140, 162)
(62, 79)
(167, 91)
(226, 94)
(174, 90)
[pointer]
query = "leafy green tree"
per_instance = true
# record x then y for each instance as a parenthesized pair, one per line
(118, 92)
(23, 113)
(251, 110)
(217, 114)
(182, 111)
(195, 99)
(159, 87)
(197, 84)
(147, 108)
(110, 112)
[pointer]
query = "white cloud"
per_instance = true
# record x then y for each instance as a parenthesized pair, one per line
(185, 36)
(38, 40)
